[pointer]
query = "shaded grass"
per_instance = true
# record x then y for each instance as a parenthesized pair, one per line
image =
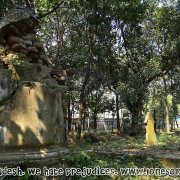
(169, 141)
(79, 157)
(165, 142)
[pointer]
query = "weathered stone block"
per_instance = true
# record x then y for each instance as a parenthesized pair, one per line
(32, 72)
(6, 84)
(34, 117)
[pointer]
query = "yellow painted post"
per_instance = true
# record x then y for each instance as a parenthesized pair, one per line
(151, 139)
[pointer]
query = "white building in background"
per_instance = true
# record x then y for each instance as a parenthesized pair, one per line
(106, 120)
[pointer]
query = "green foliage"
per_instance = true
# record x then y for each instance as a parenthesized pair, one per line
(79, 159)
(165, 141)
(137, 162)
(124, 43)
(169, 141)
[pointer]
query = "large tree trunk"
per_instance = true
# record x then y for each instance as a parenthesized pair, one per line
(95, 120)
(88, 122)
(167, 116)
(84, 121)
(166, 107)
(154, 108)
(135, 111)
(117, 112)
(161, 122)
(82, 99)
(79, 124)
(69, 117)
(134, 125)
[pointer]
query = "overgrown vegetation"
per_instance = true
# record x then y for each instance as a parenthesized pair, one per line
(110, 153)
(110, 141)
(80, 159)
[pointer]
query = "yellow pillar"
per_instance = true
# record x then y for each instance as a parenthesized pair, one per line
(151, 139)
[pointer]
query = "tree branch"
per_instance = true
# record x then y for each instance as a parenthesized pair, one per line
(28, 4)
(53, 10)
(162, 73)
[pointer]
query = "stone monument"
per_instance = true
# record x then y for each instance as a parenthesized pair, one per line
(31, 91)
(151, 139)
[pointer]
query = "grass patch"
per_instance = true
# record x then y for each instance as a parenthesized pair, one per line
(79, 159)
(169, 141)
(165, 142)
